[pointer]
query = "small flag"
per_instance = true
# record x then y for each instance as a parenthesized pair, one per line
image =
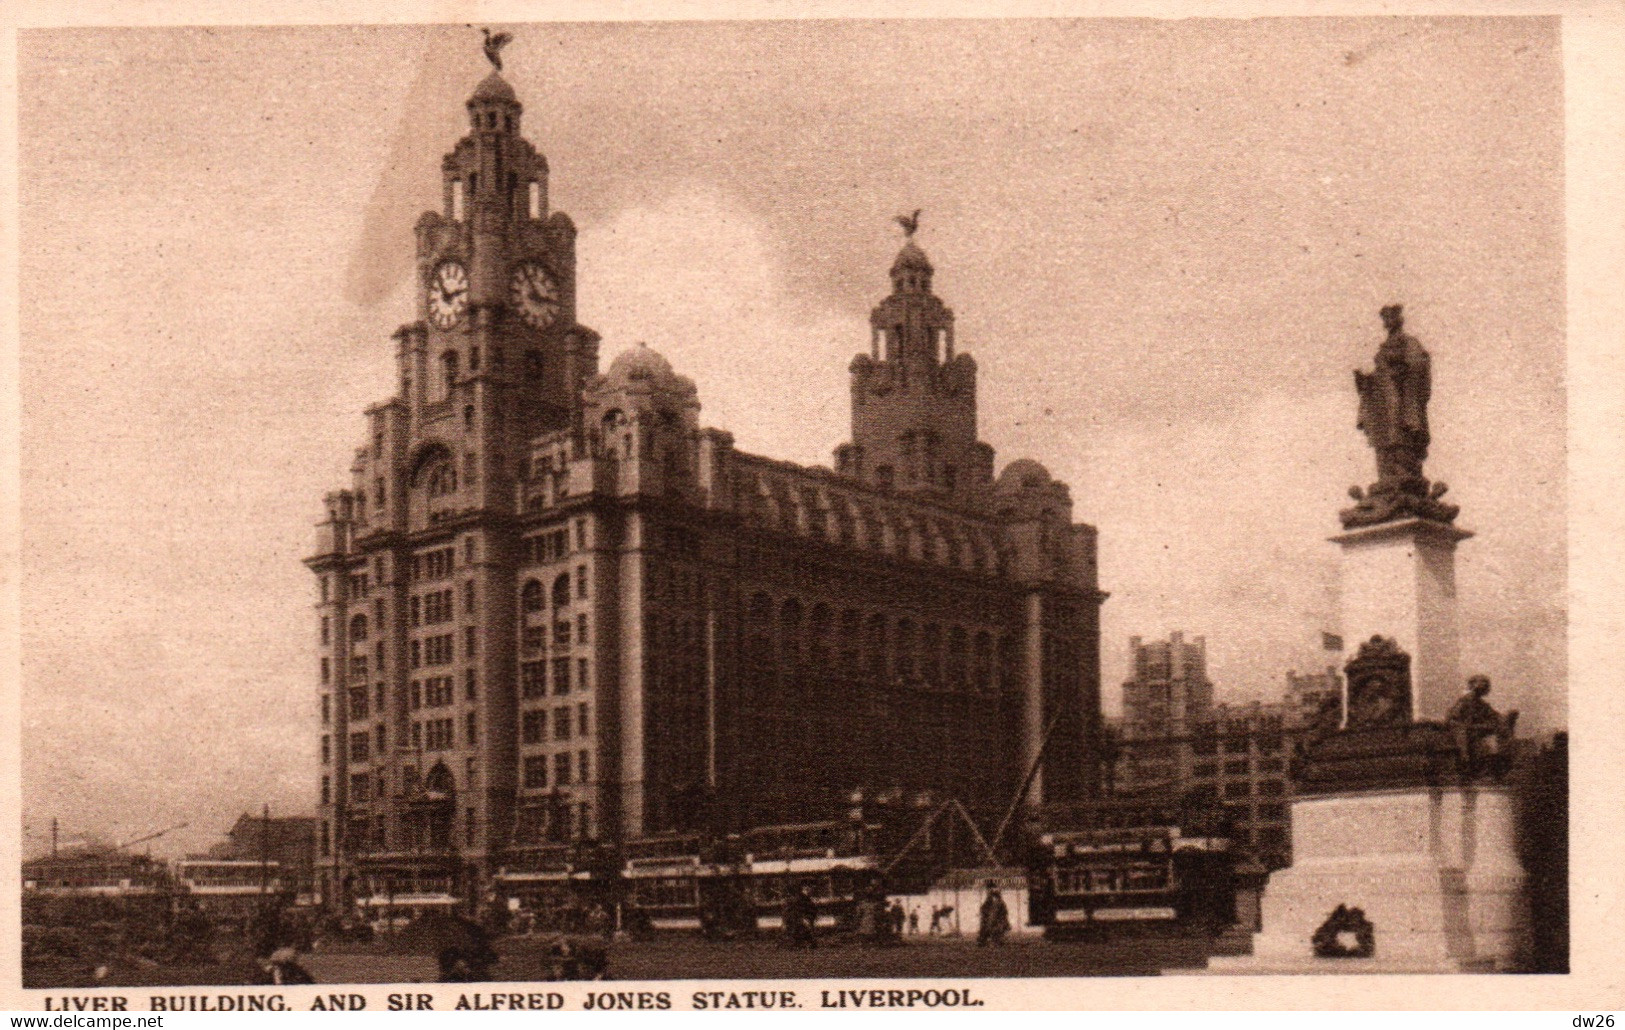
(1331, 641)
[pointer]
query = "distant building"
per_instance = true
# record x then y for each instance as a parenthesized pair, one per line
(1169, 690)
(111, 874)
(1175, 739)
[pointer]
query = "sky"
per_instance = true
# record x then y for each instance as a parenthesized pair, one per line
(1165, 244)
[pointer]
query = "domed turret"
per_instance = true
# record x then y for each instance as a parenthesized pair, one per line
(643, 368)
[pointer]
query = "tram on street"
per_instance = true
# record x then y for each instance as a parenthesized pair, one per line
(1127, 863)
(829, 857)
(682, 882)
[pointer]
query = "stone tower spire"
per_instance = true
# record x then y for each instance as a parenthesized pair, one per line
(913, 396)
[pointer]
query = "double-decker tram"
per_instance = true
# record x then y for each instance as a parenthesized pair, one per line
(682, 881)
(556, 886)
(1125, 862)
(229, 888)
(831, 858)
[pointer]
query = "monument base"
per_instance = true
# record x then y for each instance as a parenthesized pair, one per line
(1435, 871)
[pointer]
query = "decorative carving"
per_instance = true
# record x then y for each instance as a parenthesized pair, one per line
(1394, 417)
(1346, 933)
(1379, 685)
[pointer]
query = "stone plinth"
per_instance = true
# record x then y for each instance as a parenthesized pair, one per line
(1399, 581)
(1435, 870)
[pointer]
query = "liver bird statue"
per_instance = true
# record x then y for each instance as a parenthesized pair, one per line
(494, 42)
(910, 223)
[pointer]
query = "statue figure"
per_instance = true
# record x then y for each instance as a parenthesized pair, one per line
(1394, 417)
(1483, 735)
(1394, 406)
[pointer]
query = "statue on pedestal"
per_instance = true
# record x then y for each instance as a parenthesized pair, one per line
(1394, 417)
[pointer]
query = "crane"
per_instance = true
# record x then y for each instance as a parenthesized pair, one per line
(151, 836)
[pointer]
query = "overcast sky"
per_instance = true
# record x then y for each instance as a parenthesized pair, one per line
(1165, 244)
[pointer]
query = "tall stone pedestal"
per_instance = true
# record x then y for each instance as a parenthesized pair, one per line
(1399, 582)
(1435, 870)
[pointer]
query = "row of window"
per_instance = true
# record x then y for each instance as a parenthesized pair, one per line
(432, 565)
(435, 607)
(534, 638)
(533, 677)
(533, 724)
(532, 597)
(565, 771)
(1238, 767)
(439, 649)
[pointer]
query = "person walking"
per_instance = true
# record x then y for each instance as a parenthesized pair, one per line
(801, 918)
(995, 917)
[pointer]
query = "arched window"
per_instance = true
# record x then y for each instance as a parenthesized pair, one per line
(358, 628)
(874, 647)
(561, 590)
(908, 644)
(931, 655)
(759, 629)
(957, 656)
(442, 479)
(530, 598)
(818, 638)
(982, 662)
(448, 373)
(790, 643)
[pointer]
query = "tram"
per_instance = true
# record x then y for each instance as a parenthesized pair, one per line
(832, 858)
(1130, 863)
(683, 882)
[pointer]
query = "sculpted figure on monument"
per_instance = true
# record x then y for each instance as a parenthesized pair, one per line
(1483, 735)
(1394, 417)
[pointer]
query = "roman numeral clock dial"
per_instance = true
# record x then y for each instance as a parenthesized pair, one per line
(535, 295)
(448, 294)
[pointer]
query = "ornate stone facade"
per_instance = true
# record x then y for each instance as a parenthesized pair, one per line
(553, 606)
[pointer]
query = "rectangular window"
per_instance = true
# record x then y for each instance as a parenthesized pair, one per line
(416, 701)
(1272, 788)
(581, 629)
(561, 676)
(581, 581)
(532, 680)
(1236, 768)
(468, 642)
(581, 718)
(534, 638)
(327, 669)
(471, 728)
(437, 735)
(471, 691)
(1235, 746)
(414, 609)
(358, 667)
(468, 598)
(561, 633)
(536, 772)
(582, 682)
(438, 691)
(378, 698)
(416, 653)
(327, 749)
(360, 787)
(581, 534)
(327, 790)
(583, 768)
(561, 723)
(1237, 790)
(327, 709)
(327, 630)
(533, 726)
(1204, 769)
(380, 740)
(417, 736)
(561, 770)
(360, 742)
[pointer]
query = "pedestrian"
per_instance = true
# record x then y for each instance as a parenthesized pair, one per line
(914, 920)
(995, 917)
(897, 918)
(801, 918)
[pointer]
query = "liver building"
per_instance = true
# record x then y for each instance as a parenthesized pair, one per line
(552, 606)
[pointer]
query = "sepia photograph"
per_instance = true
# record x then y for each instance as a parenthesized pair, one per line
(840, 500)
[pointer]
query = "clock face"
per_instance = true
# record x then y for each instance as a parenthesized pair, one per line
(535, 295)
(448, 294)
